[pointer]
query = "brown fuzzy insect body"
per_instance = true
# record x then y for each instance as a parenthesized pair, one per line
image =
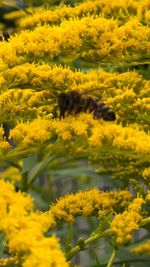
(4, 37)
(73, 103)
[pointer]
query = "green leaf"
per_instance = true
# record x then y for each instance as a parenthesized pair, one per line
(96, 258)
(28, 163)
(125, 255)
(37, 168)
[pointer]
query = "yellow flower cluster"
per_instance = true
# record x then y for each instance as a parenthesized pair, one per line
(4, 145)
(142, 248)
(88, 38)
(11, 261)
(1, 133)
(11, 203)
(148, 196)
(25, 230)
(13, 104)
(47, 254)
(146, 174)
(56, 78)
(35, 132)
(123, 10)
(88, 34)
(143, 105)
(95, 134)
(125, 223)
(120, 137)
(127, 93)
(88, 203)
(12, 173)
(2, 81)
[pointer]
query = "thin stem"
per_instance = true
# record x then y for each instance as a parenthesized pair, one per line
(145, 221)
(113, 256)
(89, 240)
(94, 237)
(24, 182)
(40, 166)
(18, 153)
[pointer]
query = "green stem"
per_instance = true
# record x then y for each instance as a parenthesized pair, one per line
(24, 182)
(18, 153)
(40, 166)
(89, 240)
(145, 221)
(113, 256)
(94, 237)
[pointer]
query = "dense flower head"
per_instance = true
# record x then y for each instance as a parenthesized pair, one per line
(127, 93)
(125, 223)
(25, 229)
(13, 202)
(13, 173)
(122, 10)
(64, 78)
(1, 133)
(48, 254)
(31, 133)
(96, 134)
(89, 38)
(98, 50)
(4, 147)
(13, 102)
(11, 261)
(148, 196)
(88, 203)
(146, 174)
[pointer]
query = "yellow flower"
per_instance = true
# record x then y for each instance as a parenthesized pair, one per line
(12, 173)
(88, 203)
(1, 133)
(48, 254)
(25, 230)
(142, 248)
(146, 174)
(124, 224)
(14, 261)
(122, 10)
(4, 146)
(95, 38)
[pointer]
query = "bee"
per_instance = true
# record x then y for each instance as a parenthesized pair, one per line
(4, 37)
(74, 102)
